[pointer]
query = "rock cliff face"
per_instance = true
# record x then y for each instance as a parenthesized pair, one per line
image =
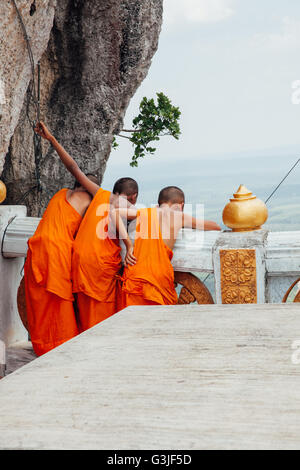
(98, 54)
(15, 68)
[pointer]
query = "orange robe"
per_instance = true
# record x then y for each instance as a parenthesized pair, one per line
(48, 285)
(151, 280)
(95, 265)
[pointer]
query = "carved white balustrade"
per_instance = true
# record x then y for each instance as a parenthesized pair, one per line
(11, 327)
(16, 235)
(194, 253)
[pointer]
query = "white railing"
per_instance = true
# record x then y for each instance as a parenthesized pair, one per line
(278, 259)
(193, 250)
(17, 233)
(11, 327)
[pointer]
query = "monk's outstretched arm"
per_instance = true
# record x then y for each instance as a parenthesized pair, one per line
(117, 220)
(127, 214)
(190, 222)
(67, 160)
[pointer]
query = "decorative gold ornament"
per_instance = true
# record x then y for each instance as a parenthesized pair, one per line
(193, 290)
(238, 276)
(245, 213)
(2, 192)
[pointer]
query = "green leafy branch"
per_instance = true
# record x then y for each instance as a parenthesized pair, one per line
(153, 122)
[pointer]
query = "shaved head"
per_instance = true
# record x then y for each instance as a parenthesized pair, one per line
(126, 186)
(91, 177)
(171, 195)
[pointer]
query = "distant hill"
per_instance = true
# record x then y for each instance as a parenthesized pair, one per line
(212, 182)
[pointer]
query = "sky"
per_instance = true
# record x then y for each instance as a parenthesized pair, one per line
(232, 67)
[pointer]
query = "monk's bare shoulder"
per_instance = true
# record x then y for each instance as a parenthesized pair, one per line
(80, 201)
(80, 196)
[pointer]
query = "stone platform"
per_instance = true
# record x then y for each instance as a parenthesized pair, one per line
(186, 377)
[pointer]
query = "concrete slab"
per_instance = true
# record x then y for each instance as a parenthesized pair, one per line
(186, 377)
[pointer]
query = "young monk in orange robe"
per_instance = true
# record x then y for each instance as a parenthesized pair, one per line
(48, 285)
(151, 280)
(96, 258)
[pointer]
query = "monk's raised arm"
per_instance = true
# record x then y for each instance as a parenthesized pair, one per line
(67, 160)
(190, 222)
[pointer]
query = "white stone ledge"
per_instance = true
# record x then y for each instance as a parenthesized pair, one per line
(193, 250)
(283, 254)
(17, 235)
(11, 328)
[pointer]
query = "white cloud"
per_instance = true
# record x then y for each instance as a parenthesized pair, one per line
(197, 11)
(287, 38)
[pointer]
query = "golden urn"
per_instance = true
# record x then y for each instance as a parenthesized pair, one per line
(2, 192)
(245, 213)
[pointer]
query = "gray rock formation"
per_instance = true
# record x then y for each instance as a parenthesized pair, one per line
(15, 68)
(98, 54)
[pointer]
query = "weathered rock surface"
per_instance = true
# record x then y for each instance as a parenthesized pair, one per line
(15, 68)
(98, 54)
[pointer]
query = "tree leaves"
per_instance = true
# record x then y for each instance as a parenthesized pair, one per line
(153, 122)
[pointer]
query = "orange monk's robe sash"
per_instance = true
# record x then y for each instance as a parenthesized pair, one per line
(91, 311)
(152, 278)
(51, 247)
(48, 285)
(96, 256)
(51, 319)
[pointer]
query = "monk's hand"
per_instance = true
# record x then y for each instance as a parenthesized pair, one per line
(130, 259)
(41, 129)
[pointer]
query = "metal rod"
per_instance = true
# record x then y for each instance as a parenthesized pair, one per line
(276, 189)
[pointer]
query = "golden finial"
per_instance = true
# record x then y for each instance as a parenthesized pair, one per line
(244, 212)
(2, 192)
